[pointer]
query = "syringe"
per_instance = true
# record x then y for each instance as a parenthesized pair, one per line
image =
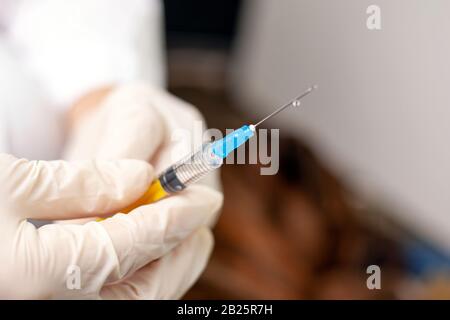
(210, 157)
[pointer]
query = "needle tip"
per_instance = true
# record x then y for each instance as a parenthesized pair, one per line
(295, 103)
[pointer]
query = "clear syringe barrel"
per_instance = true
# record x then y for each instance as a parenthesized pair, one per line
(190, 169)
(179, 175)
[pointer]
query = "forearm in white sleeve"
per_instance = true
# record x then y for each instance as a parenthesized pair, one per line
(75, 46)
(29, 127)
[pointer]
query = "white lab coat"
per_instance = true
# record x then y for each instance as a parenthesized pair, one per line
(52, 52)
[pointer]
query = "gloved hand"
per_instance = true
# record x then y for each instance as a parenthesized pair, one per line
(156, 251)
(136, 121)
(114, 256)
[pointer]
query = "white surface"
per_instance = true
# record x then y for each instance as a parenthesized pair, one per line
(381, 115)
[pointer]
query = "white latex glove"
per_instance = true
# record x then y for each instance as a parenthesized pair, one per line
(133, 122)
(113, 256)
(137, 121)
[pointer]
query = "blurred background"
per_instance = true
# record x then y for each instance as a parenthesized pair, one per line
(364, 164)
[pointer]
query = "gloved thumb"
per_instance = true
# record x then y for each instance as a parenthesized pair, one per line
(60, 190)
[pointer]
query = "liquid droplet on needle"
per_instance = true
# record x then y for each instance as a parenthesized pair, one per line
(294, 103)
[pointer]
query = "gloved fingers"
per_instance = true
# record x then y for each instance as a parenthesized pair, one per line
(169, 277)
(180, 122)
(122, 125)
(149, 232)
(108, 251)
(185, 125)
(67, 190)
(125, 125)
